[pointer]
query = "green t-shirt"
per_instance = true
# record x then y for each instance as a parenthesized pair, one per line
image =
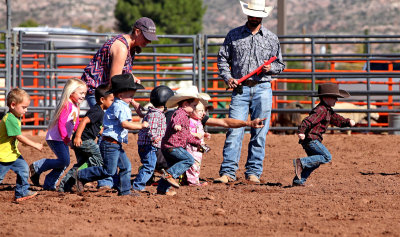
(10, 127)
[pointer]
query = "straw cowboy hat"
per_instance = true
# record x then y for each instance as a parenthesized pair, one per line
(204, 98)
(331, 89)
(186, 93)
(256, 8)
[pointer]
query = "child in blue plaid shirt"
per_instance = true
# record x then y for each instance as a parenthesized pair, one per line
(149, 141)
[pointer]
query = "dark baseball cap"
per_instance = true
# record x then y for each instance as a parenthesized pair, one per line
(147, 26)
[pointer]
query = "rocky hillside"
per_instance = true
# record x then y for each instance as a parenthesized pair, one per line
(311, 16)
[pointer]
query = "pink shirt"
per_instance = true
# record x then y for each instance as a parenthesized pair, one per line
(67, 123)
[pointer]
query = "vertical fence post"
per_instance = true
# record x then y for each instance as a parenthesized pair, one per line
(155, 68)
(205, 39)
(199, 59)
(194, 45)
(21, 48)
(8, 48)
(368, 51)
(14, 57)
(313, 70)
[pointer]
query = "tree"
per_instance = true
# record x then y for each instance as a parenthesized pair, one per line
(182, 17)
(29, 23)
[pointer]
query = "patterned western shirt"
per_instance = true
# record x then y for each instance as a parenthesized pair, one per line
(242, 52)
(156, 129)
(180, 138)
(318, 121)
(97, 72)
(117, 113)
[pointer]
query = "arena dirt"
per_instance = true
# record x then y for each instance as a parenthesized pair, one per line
(358, 194)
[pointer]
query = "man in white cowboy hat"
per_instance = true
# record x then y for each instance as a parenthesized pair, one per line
(246, 48)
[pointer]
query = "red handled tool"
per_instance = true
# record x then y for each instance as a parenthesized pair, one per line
(258, 70)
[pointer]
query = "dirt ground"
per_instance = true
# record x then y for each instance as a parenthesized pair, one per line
(358, 194)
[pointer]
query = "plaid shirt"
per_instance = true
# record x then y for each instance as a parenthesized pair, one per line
(156, 129)
(242, 52)
(318, 121)
(180, 138)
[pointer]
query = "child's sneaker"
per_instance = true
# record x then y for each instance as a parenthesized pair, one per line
(168, 193)
(298, 168)
(170, 179)
(30, 195)
(78, 184)
(200, 184)
(34, 176)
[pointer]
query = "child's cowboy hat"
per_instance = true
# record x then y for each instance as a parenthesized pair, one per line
(204, 98)
(124, 82)
(186, 93)
(331, 89)
(256, 8)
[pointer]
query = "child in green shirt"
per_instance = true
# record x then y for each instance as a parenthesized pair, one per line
(10, 134)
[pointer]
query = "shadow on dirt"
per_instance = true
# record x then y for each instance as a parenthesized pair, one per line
(383, 174)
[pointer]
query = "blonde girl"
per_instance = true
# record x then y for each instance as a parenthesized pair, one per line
(63, 124)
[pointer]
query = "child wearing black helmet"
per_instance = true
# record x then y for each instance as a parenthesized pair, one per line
(149, 139)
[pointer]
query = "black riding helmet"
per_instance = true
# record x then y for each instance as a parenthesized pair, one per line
(160, 94)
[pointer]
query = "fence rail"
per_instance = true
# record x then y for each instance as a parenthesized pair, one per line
(41, 64)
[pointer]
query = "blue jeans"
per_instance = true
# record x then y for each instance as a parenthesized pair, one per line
(148, 158)
(57, 165)
(114, 157)
(317, 155)
(179, 160)
(258, 101)
(91, 100)
(21, 168)
(88, 153)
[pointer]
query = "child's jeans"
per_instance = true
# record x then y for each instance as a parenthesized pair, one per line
(148, 157)
(91, 100)
(114, 157)
(88, 153)
(57, 165)
(179, 161)
(317, 154)
(21, 168)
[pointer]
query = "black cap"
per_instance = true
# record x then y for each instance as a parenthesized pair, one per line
(124, 82)
(147, 26)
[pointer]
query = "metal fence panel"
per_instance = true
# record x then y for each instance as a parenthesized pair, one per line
(42, 62)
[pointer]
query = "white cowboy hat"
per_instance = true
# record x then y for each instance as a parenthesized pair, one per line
(186, 93)
(256, 8)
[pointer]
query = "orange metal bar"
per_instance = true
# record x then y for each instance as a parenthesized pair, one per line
(390, 86)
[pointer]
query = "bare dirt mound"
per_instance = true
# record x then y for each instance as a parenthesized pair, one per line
(358, 194)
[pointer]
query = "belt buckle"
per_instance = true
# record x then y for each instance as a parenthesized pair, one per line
(250, 83)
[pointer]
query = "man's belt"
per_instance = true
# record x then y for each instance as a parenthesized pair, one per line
(251, 83)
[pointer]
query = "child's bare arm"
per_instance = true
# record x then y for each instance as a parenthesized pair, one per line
(198, 135)
(207, 135)
(178, 127)
(29, 142)
(138, 108)
(79, 131)
(301, 136)
(134, 126)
